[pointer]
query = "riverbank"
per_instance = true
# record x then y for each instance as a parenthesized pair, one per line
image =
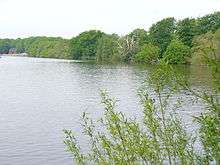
(16, 55)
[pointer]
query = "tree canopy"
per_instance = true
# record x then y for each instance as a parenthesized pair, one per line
(161, 33)
(176, 52)
(186, 30)
(84, 46)
(172, 38)
(107, 49)
(149, 54)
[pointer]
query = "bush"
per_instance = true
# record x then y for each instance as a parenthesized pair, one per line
(124, 141)
(176, 53)
(149, 54)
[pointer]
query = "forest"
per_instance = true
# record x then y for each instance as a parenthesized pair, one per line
(170, 40)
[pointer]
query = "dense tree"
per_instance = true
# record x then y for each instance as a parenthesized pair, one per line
(210, 22)
(140, 36)
(84, 46)
(123, 49)
(5, 45)
(149, 54)
(186, 30)
(206, 46)
(47, 47)
(161, 33)
(18, 44)
(50, 47)
(176, 52)
(107, 49)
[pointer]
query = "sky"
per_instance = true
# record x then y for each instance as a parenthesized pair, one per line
(68, 18)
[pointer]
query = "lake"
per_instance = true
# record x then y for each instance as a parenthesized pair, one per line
(41, 97)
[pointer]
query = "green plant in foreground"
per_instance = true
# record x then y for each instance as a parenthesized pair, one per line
(125, 141)
(161, 137)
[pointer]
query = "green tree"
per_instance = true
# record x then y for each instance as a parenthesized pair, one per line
(19, 45)
(186, 30)
(50, 47)
(161, 33)
(206, 46)
(140, 36)
(149, 54)
(84, 46)
(107, 49)
(176, 53)
(5, 45)
(210, 22)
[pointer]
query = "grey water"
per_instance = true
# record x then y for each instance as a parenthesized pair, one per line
(40, 97)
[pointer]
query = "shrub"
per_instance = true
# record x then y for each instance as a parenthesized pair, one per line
(176, 53)
(124, 141)
(148, 54)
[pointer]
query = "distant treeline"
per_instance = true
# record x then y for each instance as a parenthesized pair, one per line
(48, 47)
(173, 41)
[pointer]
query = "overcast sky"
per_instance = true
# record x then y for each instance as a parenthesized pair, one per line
(67, 18)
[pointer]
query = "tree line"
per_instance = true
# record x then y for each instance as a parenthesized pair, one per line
(48, 47)
(170, 40)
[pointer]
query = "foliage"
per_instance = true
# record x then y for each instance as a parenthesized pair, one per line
(47, 47)
(149, 54)
(210, 22)
(123, 49)
(5, 45)
(19, 45)
(176, 52)
(107, 49)
(206, 46)
(140, 36)
(186, 30)
(124, 141)
(84, 46)
(161, 33)
(209, 120)
(128, 47)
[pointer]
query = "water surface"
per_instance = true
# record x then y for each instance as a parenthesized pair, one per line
(41, 97)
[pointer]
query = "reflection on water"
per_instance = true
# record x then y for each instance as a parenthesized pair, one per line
(41, 97)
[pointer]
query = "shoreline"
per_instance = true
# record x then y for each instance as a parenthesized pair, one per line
(16, 55)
